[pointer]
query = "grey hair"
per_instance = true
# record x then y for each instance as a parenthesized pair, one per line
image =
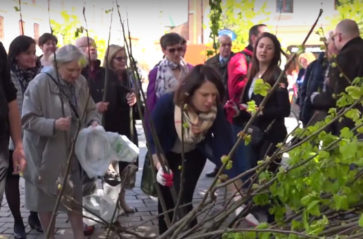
(224, 36)
(69, 53)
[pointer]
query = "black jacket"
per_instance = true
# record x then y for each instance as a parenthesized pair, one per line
(276, 109)
(7, 93)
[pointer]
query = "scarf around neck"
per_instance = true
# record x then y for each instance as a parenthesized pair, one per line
(24, 76)
(203, 121)
(165, 79)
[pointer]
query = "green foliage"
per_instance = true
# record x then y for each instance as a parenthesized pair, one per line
(214, 17)
(237, 16)
(71, 29)
(240, 16)
(323, 176)
(351, 9)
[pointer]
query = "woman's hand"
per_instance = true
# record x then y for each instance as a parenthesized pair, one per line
(131, 98)
(63, 124)
(19, 162)
(102, 106)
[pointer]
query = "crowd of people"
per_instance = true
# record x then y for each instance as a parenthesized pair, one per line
(194, 113)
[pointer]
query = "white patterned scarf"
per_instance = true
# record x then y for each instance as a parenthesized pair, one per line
(202, 122)
(165, 79)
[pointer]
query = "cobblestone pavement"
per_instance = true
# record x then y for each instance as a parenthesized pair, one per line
(143, 220)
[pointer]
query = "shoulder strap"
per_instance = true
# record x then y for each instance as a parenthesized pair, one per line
(73, 107)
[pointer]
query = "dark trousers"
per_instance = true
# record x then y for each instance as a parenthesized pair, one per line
(193, 167)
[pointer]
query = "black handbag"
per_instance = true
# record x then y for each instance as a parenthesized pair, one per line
(257, 134)
(148, 180)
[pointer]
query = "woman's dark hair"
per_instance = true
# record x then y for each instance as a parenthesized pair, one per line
(267, 76)
(195, 78)
(170, 39)
(47, 37)
(18, 45)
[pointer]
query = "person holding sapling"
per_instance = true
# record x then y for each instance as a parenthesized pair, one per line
(207, 134)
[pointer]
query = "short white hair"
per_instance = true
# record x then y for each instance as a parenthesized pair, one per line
(69, 53)
(224, 36)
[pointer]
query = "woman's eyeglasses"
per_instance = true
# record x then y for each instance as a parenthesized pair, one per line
(172, 50)
(120, 58)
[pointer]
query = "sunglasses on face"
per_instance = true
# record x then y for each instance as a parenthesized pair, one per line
(172, 50)
(120, 58)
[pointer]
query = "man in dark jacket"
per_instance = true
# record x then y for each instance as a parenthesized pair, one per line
(220, 61)
(349, 65)
(9, 123)
(316, 74)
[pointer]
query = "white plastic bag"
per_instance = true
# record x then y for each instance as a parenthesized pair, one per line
(96, 149)
(101, 204)
(93, 151)
(124, 149)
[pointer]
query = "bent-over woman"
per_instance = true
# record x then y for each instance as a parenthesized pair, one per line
(208, 134)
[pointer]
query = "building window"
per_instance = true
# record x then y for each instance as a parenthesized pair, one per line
(1, 28)
(284, 6)
(21, 27)
(36, 31)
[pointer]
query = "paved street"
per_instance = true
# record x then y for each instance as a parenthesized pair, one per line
(143, 220)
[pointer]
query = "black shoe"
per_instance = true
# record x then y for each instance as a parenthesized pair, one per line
(19, 230)
(213, 173)
(34, 222)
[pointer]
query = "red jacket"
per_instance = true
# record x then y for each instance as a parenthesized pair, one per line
(237, 73)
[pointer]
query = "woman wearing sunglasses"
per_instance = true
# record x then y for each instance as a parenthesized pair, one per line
(166, 75)
(122, 111)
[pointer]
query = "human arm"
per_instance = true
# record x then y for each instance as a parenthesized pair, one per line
(15, 133)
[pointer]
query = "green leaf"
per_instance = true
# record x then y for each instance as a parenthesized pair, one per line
(341, 202)
(313, 208)
(360, 222)
(355, 92)
(353, 114)
(251, 106)
(261, 87)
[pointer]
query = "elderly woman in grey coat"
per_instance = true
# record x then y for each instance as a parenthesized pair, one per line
(55, 102)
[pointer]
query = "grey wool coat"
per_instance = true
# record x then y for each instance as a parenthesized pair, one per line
(46, 148)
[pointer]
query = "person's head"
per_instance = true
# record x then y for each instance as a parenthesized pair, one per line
(22, 52)
(69, 61)
(48, 43)
(225, 45)
(171, 47)
(201, 89)
(305, 59)
(254, 32)
(345, 31)
(267, 52)
(88, 47)
(116, 58)
(331, 49)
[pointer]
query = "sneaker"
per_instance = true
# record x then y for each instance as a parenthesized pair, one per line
(19, 230)
(34, 222)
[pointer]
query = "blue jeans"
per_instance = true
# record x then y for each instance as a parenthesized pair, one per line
(244, 156)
